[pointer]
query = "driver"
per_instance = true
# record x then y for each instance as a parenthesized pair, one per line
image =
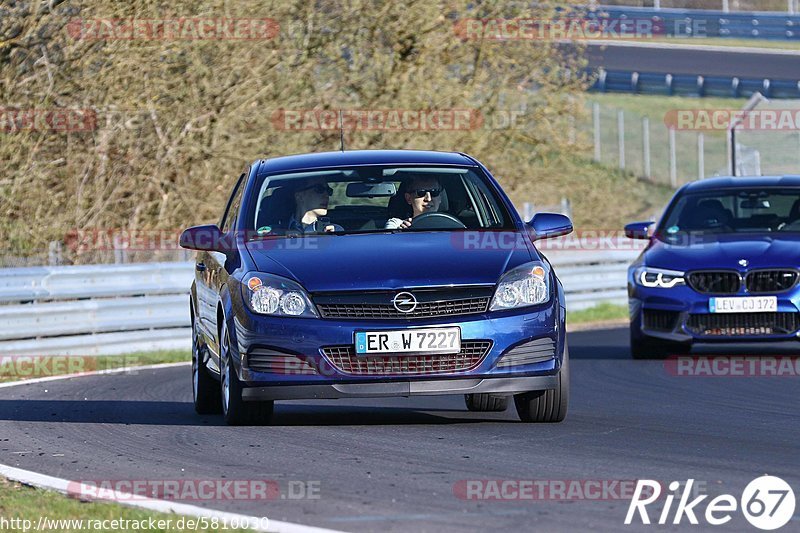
(423, 194)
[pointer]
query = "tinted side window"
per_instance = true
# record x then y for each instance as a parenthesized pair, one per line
(232, 208)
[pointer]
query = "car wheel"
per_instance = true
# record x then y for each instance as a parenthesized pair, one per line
(547, 405)
(205, 389)
(486, 402)
(657, 349)
(235, 410)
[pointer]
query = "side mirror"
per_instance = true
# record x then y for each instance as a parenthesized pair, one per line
(638, 230)
(208, 238)
(549, 225)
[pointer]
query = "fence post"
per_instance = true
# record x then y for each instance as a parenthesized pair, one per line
(726, 6)
(673, 163)
(657, 4)
(566, 207)
(54, 257)
(621, 135)
(701, 156)
(596, 115)
(120, 252)
(791, 8)
(646, 147)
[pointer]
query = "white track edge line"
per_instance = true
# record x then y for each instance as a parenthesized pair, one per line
(43, 481)
(48, 482)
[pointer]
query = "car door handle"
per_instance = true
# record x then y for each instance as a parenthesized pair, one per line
(200, 267)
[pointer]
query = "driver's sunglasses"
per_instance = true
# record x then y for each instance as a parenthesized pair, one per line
(320, 189)
(420, 193)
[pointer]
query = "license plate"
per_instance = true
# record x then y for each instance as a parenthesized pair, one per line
(408, 341)
(746, 304)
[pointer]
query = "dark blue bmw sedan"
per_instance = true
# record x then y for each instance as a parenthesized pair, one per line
(721, 266)
(373, 274)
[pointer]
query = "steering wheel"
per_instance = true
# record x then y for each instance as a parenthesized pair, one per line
(436, 220)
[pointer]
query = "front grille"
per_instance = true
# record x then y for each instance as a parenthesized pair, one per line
(275, 362)
(732, 324)
(344, 359)
(378, 305)
(656, 319)
(423, 310)
(528, 353)
(770, 281)
(715, 282)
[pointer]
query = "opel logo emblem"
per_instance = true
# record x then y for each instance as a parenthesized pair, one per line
(405, 302)
(744, 262)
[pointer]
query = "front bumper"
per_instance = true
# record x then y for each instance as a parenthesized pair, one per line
(305, 339)
(427, 387)
(684, 303)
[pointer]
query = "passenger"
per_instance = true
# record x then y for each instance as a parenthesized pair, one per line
(311, 205)
(423, 195)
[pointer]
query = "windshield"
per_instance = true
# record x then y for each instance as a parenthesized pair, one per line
(727, 211)
(376, 199)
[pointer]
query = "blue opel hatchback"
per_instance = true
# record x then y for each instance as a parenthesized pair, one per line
(374, 274)
(721, 266)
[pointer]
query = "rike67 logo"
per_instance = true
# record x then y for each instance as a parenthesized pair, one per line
(767, 502)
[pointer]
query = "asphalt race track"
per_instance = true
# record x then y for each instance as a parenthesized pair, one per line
(392, 465)
(727, 63)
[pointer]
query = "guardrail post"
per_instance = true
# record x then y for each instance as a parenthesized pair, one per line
(791, 7)
(527, 211)
(701, 161)
(725, 6)
(621, 137)
(646, 147)
(673, 163)
(596, 115)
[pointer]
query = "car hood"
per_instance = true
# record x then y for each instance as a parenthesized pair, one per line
(385, 261)
(726, 251)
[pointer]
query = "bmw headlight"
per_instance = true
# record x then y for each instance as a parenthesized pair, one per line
(528, 284)
(267, 294)
(658, 277)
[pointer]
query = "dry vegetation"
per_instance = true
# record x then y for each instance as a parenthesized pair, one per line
(177, 119)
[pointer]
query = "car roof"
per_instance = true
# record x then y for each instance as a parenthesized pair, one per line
(741, 181)
(362, 158)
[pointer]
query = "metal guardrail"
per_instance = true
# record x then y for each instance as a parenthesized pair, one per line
(627, 81)
(698, 23)
(112, 309)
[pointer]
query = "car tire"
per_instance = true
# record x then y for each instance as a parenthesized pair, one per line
(205, 389)
(485, 403)
(643, 349)
(547, 405)
(235, 410)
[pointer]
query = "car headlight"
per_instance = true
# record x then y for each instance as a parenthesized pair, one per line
(658, 277)
(267, 294)
(528, 284)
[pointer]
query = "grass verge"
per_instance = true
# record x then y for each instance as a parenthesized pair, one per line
(23, 506)
(599, 313)
(15, 368)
